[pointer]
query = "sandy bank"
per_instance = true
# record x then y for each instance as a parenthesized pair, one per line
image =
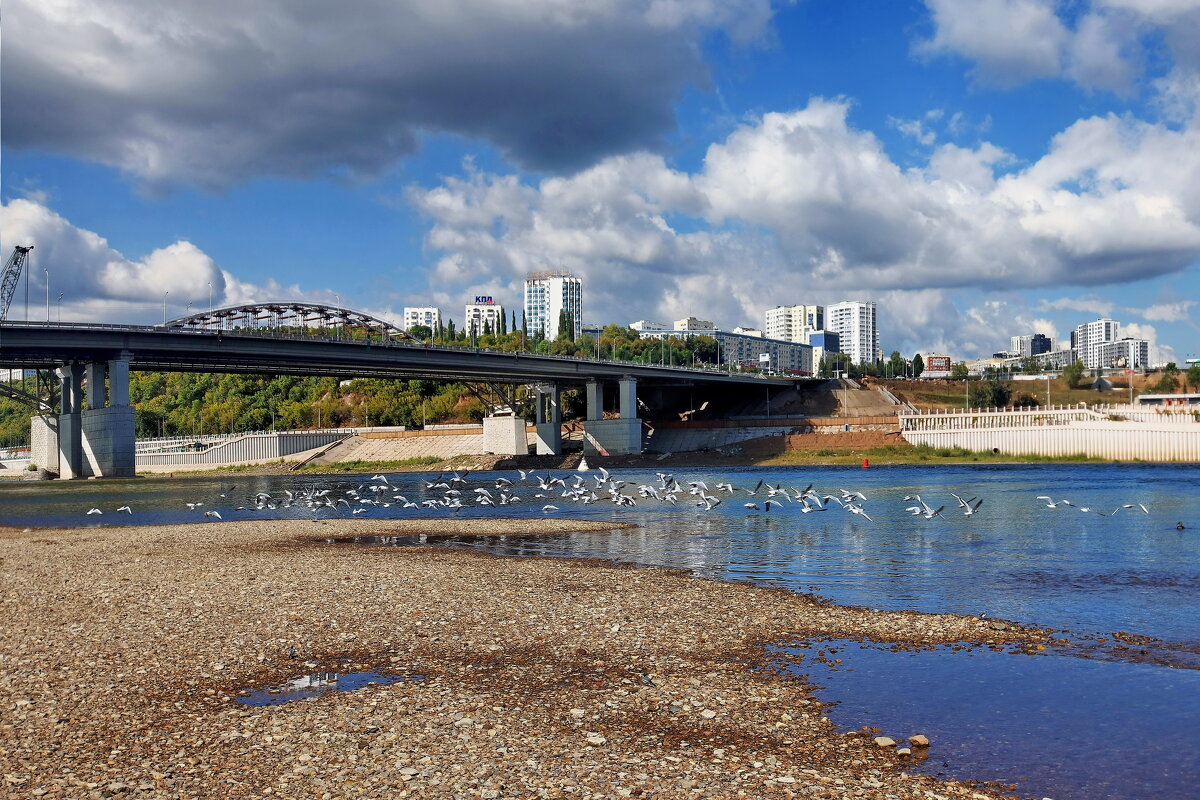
(124, 649)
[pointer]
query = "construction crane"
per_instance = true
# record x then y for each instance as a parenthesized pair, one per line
(12, 275)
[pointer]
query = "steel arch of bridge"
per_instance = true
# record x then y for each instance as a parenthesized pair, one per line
(295, 317)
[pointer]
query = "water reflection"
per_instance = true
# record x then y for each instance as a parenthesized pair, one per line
(315, 684)
(1058, 727)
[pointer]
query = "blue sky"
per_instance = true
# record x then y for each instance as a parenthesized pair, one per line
(980, 168)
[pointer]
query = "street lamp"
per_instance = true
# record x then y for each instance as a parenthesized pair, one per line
(60, 295)
(210, 297)
(165, 306)
(47, 273)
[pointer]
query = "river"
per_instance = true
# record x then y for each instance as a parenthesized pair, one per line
(1108, 717)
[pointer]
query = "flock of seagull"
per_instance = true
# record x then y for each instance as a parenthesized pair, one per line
(587, 487)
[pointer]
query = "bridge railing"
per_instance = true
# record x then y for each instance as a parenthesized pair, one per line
(296, 336)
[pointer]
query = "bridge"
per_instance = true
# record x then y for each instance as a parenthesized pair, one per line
(283, 339)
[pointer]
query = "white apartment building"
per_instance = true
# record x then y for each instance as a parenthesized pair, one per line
(547, 295)
(647, 325)
(794, 323)
(1121, 354)
(693, 324)
(855, 324)
(425, 315)
(748, 331)
(1087, 336)
(482, 317)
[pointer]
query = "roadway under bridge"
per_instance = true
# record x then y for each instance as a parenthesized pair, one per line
(269, 339)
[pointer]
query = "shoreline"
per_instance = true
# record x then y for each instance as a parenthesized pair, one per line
(537, 674)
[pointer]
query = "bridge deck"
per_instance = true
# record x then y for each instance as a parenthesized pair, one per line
(32, 345)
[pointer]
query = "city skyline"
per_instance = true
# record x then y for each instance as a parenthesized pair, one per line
(980, 170)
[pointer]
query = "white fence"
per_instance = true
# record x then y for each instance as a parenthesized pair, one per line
(1112, 432)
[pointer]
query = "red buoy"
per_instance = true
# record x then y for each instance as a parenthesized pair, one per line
(866, 463)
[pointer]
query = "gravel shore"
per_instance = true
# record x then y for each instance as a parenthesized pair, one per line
(124, 651)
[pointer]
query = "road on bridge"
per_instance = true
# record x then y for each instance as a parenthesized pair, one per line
(33, 345)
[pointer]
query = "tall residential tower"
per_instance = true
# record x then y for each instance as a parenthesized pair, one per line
(854, 322)
(547, 296)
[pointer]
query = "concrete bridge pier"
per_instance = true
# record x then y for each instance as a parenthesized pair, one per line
(615, 437)
(505, 436)
(548, 421)
(95, 443)
(70, 429)
(108, 430)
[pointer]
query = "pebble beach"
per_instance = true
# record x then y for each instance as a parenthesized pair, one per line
(124, 652)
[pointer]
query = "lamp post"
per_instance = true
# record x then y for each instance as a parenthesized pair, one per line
(165, 306)
(210, 297)
(60, 295)
(46, 272)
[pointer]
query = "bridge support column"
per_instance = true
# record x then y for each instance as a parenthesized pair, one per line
(97, 392)
(70, 450)
(43, 444)
(615, 436)
(108, 430)
(549, 421)
(505, 436)
(595, 400)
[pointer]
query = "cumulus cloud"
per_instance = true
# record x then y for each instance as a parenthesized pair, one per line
(210, 94)
(1011, 41)
(98, 283)
(1167, 312)
(1090, 305)
(802, 207)
(1159, 353)
(1099, 44)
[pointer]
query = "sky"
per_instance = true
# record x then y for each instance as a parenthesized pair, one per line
(979, 168)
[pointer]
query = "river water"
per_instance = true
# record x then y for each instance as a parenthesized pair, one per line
(1110, 717)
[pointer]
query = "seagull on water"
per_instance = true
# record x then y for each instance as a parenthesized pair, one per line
(94, 511)
(126, 509)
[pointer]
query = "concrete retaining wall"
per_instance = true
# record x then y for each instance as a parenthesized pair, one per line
(246, 448)
(1124, 441)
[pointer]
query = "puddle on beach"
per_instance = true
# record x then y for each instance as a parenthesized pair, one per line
(1055, 726)
(318, 683)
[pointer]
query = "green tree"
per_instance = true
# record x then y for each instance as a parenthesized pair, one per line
(1193, 377)
(422, 332)
(1073, 374)
(959, 371)
(918, 365)
(1031, 365)
(895, 364)
(989, 394)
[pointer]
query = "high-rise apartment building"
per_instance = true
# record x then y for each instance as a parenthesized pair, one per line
(482, 316)
(428, 316)
(1031, 345)
(547, 296)
(1121, 354)
(1086, 338)
(794, 323)
(856, 327)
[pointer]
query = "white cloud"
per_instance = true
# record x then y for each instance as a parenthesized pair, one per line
(1090, 305)
(1011, 41)
(800, 206)
(209, 94)
(1098, 44)
(1167, 312)
(98, 283)
(1159, 353)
